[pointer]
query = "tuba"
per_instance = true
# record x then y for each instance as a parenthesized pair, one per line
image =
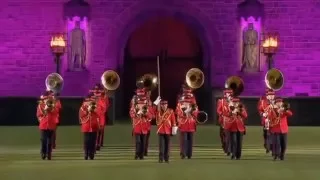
(147, 81)
(54, 82)
(236, 84)
(274, 79)
(195, 78)
(110, 80)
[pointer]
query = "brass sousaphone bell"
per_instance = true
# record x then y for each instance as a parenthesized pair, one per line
(236, 84)
(147, 81)
(54, 82)
(110, 80)
(195, 78)
(274, 79)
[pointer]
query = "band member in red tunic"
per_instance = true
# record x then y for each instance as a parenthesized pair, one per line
(166, 121)
(265, 106)
(187, 124)
(59, 107)
(47, 115)
(103, 103)
(152, 110)
(279, 128)
(89, 120)
(140, 119)
(236, 126)
(222, 105)
(222, 111)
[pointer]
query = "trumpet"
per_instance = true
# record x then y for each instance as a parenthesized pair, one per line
(92, 106)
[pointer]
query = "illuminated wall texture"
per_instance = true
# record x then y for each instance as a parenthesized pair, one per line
(25, 57)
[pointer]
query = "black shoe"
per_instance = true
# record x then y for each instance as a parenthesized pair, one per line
(281, 157)
(275, 158)
(146, 154)
(49, 156)
(267, 151)
(167, 161)
(141, 157)
(98, 148)
(91, 156)
(238, 158)
(228, 153)
(43, 156)
(160, 161)
(136, 157)
(183, 156)
(233, 157)
(189, 157)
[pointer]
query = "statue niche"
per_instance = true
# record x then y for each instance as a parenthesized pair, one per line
(77, 48)
(250, 55)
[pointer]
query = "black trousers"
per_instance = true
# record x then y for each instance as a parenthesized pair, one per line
(46, 141)
(227, 141)
(267, 139)
(279, 142)
(140, 140)
(146, 146)
(236, 144)
(187, 138)
(90, 143)
(164, 143)
(222, 138)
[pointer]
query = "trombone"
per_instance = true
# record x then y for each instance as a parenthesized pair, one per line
(195, 80)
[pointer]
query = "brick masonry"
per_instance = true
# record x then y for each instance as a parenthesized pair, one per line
(25, 57)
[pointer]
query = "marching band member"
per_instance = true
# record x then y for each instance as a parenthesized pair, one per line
(264, 107)
(263, 101)
(236, 127)
(166, 123)
(89, 119)
(103, 103)
(222, 109)
(221, 105)
(59, 107)
(187, 124)
(279, 128)
(47, 115)
(152, 110)
(140, 119)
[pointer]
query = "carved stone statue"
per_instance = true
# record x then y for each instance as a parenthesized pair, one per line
(250, 61)
(77, 51)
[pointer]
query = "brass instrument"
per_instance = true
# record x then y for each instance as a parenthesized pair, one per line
(92, 106)
(274, 79)
(144, 110)
(236, 84)
(110, 80)
(147, 81)
(54, 82)
(195, 78)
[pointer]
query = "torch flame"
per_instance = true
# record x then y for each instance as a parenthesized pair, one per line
(58, 41)
(270, 42)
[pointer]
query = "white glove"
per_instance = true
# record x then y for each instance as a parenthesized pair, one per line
(140, 112)
(188, 110)
(157, 101)
(265, 115)
(46, 107)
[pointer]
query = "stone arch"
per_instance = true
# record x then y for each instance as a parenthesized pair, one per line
(129, 21)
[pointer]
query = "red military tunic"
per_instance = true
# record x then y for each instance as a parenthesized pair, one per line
(103, 103)
(263, 104)
(237, 121)
(140, 124)
(222, 105)
(282, 126)
(47, 121)
(152, 111)
(187, 123)
(89, 120)
(58, 106)
(166, 121)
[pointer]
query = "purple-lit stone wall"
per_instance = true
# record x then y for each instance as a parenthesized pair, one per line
(26, 60)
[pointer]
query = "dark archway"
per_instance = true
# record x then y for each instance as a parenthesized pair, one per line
(179, 50)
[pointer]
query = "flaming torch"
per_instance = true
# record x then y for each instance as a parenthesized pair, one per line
(269, 46)
(58, 47)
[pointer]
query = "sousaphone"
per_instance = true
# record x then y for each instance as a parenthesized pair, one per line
(274, 79)
(236, 84)
(110, 80)
(54, 82)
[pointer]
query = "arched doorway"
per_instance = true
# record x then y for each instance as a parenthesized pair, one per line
(179, 50)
